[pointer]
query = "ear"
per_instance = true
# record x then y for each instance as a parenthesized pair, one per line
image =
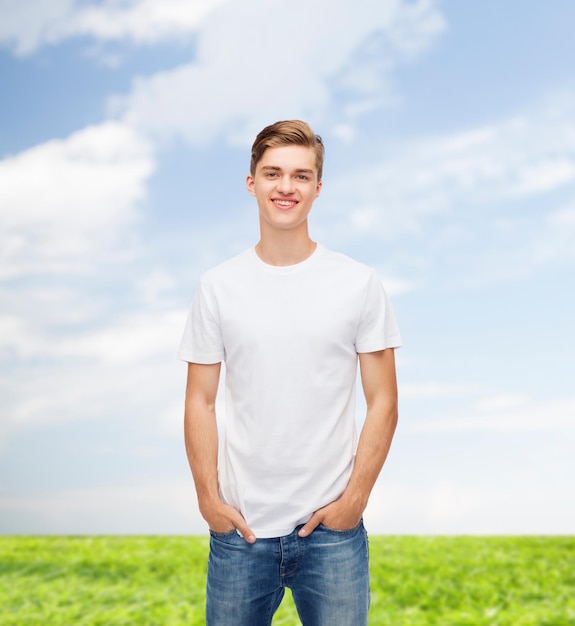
(250, 184)
(318, 189)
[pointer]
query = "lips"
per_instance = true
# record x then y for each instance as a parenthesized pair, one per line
(284, 204)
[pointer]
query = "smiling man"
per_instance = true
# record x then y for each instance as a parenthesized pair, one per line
(284, 494)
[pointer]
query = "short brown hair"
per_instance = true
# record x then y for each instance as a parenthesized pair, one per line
(288, 132)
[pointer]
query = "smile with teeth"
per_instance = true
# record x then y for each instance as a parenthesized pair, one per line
(284, 204)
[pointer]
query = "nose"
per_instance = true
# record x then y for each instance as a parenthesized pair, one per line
(285, 184)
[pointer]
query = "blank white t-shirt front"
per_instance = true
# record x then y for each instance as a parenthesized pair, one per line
(290, 338)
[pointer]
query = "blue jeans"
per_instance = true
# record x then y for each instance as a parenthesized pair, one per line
(327, 572)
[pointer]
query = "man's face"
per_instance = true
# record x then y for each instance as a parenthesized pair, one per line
(285, 185)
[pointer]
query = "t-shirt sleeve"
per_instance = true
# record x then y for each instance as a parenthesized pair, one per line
(377, 329)
(202, 339)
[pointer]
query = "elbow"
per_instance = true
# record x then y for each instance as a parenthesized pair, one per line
(387, 410)
(391, 410)
(393, 413)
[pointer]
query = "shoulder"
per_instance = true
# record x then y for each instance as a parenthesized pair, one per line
(347, 266)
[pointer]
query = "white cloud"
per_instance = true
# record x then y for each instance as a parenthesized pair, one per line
(440, 508)
(132, 340)
(143, 21)
(563, 217)
(70, 373)
(154, 287)
(437, 390)
(26, 26)
(503, 414)
(244, 77)
(444, 507)
(396, 286)
(544, 176)
(514, 507)
(482, 168)
(73, 391)
(502, 402)
(139, 398)
(65, 201)
(555, 240)
(168, 507)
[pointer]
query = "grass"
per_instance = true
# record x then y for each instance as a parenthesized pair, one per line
(416, 581)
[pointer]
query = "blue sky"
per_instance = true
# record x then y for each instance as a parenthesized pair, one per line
(125, 130)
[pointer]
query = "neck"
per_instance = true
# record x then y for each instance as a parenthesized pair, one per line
(285, 247)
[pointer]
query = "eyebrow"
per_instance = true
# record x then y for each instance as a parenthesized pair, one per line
(275, 168)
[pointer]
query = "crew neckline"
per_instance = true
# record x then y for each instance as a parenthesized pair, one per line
(287, 269)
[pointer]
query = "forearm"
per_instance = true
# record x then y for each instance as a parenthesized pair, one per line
(372, 450)
(373, 447)
(380, 390)
(201, 438)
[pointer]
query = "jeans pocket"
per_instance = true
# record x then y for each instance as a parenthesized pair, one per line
(340, 531)
(224, 535)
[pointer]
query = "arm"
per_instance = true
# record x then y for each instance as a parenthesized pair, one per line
(380, 389)
(201, 437)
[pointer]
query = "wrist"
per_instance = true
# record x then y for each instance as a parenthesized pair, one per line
(354, 500)
(209, 502)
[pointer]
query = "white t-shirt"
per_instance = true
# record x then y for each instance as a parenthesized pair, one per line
(289, 337)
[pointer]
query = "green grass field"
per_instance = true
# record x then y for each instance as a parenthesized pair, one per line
(416, 581)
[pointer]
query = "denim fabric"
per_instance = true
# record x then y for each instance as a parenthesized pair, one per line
(327, 572)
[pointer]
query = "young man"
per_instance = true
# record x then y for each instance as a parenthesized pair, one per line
(284, 497)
